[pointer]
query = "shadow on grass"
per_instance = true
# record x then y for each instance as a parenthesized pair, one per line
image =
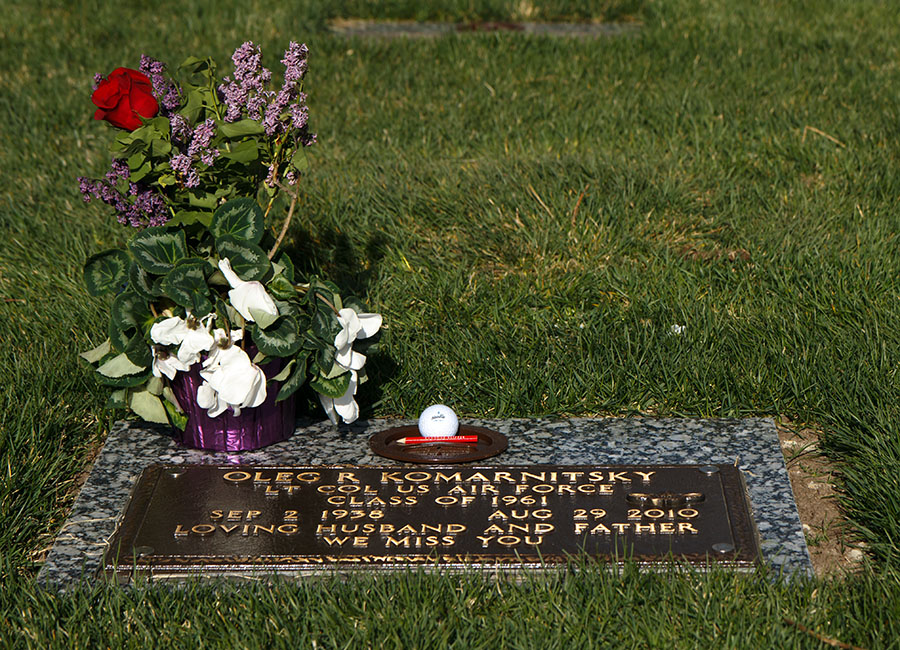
(331, 255)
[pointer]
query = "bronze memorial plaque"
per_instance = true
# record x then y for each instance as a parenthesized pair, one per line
(218, 520)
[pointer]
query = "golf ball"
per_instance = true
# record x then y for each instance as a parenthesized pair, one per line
(438, 420)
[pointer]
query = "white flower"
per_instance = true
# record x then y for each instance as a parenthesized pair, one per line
(344, 406)
(170, 331)
(165, 363)
(245, 296)
(236, 381)
(192, 339)
(194, 342)
(208, 399)
(353, 326)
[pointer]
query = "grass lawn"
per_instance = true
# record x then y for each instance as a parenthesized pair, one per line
(532, 216)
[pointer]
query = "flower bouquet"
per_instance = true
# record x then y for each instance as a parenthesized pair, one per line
(212, 329)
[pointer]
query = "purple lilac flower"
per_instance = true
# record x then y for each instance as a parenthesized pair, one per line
(202, 136)
(256, 104)
(88, 189)
(271, 179)
(272, 121)
(166, 91)
(246, 90)
(299, 115)
(181, 129)
(291, 177)
(234, 97)
(209, 156)
(295, 62)
(288, 109)
(172, 99)
(118, 169)
(98, 78)
(148, 208)
(181, 164)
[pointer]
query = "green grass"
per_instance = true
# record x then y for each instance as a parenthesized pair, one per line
(532, 216)
(581, 608)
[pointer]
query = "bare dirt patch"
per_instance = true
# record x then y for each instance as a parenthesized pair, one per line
(828, 536)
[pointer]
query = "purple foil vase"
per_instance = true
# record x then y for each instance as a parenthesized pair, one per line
(254, 428)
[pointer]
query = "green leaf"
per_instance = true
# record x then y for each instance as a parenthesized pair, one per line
(280, 287)
(126, 381)
(280, 340)
(156, 385)
(286, 308)
(240, 128)
(128, 317)
(169, 395)
(106, 271)
(188, 217)
(139, 173)
(313, 342)
(193, 105)
(243, 152)
(240, 218)
(333, 388)
(166, 180)
(325, 358)
(148, 406)
(297, 379)
(262, 318)
(248, 260)
(336, 369)
(201, 199)
(140, 282)
(186, 285)
(136, 161)
(285, 372)
(284, 261)
(355, 304)
(119, 366)
(117, 399)
(176, 417)
(157, 249)
(119, 335)
(93, 356)
(299, 161)
(325, 325)
(160, 147)
(192, 65)
(138, 352)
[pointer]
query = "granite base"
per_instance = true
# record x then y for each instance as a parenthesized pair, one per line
(752, 444)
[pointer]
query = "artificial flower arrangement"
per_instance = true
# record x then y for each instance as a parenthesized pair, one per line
(208, 313)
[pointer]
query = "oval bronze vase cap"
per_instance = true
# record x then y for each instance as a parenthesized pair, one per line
(490, 443)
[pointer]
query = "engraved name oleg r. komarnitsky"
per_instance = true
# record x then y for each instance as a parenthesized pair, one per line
(214, 519)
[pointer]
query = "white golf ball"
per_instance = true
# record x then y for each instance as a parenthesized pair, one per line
(437, 421)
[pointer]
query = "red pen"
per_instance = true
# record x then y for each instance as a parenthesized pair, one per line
(416, 440)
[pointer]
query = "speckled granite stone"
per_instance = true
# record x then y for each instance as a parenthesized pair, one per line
(752, 444)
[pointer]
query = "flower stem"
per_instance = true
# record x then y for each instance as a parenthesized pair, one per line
(284, 227)
(327, 302)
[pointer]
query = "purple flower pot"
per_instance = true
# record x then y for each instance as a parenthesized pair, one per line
(254, 428)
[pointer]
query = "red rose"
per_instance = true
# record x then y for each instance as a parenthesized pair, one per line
(124, 97)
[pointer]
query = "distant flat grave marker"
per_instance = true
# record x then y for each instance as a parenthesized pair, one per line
(412, 29)
(214, 520)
